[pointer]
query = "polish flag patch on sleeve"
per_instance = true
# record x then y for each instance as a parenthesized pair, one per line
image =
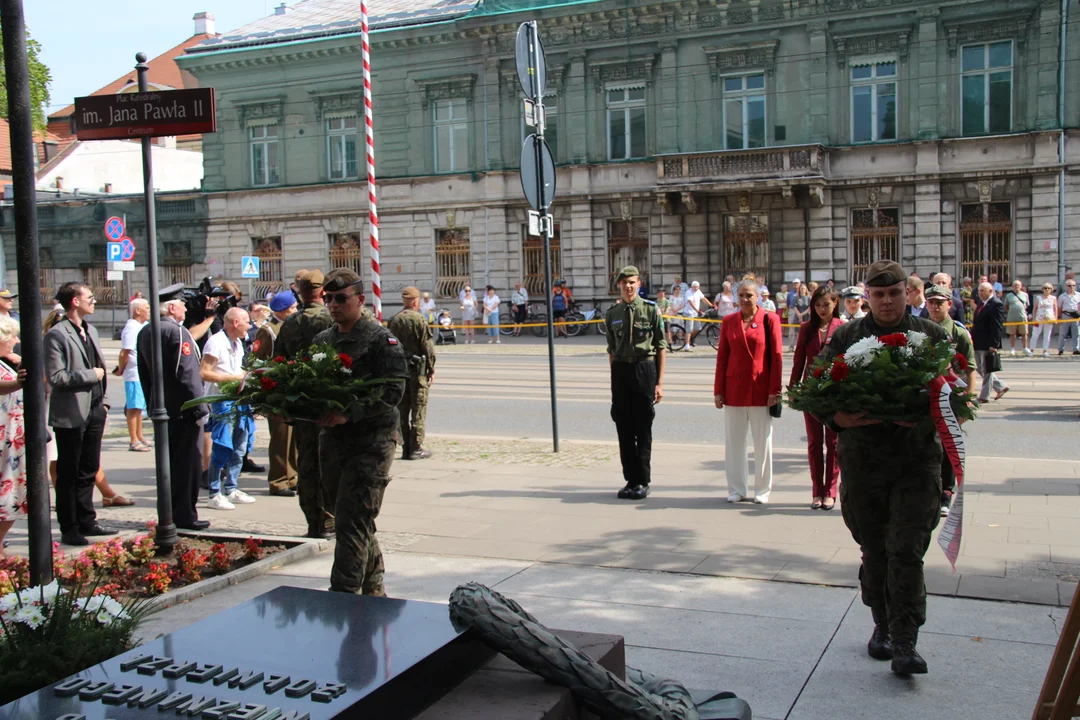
(392, 340)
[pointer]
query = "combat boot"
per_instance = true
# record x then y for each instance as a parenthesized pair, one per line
(906, 660)
(880, 646)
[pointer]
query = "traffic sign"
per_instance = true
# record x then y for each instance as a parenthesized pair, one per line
(114, 252)
(122, 266)
(128, 246)
(529, 179)
(249, 266)
(531, 65)
(114, 228)
(114, 275)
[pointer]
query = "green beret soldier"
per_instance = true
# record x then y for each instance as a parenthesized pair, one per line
(636, 346)
(412, 330)
(357, 445)
(891, 485)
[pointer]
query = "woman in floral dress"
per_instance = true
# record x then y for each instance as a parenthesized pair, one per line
(12, 440)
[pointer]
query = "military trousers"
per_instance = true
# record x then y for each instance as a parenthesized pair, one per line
(282, 473)
(316, 499)
(890, 498)
(361, 480)
(413, 412)
(633, 390)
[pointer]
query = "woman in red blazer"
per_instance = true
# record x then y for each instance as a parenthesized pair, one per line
(747, 383)
(814, 334)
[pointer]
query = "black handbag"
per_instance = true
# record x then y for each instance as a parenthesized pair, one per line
(778, 408)
(992, 364)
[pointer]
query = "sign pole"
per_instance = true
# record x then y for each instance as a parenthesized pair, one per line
(166, 530)
(27, 263)
(369, 129)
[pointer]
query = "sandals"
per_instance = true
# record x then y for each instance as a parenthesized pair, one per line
(116, 501)
(139, 447)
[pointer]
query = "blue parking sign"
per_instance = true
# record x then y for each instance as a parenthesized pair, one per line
(114, 251)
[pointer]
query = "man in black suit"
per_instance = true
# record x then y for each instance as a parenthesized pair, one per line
(986, 339)
(180, 359)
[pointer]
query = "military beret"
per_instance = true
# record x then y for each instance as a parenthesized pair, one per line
(410, 293)
(310, 279)
(173, 292)
(628, 271)
(884, 273)
(851, 291)
(938, 291)
(341, 278)
(283, 301)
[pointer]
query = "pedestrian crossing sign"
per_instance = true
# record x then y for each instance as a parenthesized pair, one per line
(249, 266)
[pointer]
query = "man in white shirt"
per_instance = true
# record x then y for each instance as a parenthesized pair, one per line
(696, 304)
(222, 361)
(1069, 307)
(128, 368)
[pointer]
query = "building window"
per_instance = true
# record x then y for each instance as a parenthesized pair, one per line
(986, 240)
(264, 154)
(341, 148)
(626, 123)
(46, 276)
(746, 245)
(744, 112)
(271, 267)
(95, 274)
(453, 262)
(347, 250)
(451, 135)
(532, 260)
(873, 102)
(986, 88)
(628, 244)
(875, 235)
(177, 264)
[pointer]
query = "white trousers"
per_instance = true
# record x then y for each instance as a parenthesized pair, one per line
(1043, 330)
(737, 421)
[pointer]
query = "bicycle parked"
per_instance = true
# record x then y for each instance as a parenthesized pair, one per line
(581, 320)
(534, 317)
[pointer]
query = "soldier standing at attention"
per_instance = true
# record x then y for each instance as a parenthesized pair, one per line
(636, 347)
(282, 476)
(358, 444)
(293, 340)
(891, 489)
(411, 329)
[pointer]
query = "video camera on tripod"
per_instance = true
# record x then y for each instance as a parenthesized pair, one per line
(198, 300)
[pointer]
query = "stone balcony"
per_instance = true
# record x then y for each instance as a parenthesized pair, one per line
(792, 162)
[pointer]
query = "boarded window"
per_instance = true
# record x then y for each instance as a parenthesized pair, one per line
(347, 251)
(986, 240)
(453, 262)
(271, 267)
(532, 261)
(875, 235)
(628, 244)
(746, 245)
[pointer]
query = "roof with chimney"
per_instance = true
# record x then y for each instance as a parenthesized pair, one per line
(41, 139)
(310, 19)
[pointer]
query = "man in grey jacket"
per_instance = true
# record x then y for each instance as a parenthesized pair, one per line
(75, 370)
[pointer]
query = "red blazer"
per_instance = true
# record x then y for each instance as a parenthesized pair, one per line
(740, 361)
(807, 348)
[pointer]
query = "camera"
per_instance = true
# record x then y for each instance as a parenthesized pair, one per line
(196, 300)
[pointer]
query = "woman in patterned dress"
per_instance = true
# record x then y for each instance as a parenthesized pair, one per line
(12, 440)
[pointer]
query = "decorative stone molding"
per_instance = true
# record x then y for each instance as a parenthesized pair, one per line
(451, 219)
(817, 196)
(896, 41)
(872, 197)
(446, 88)
(351, 100)
(622, 71)
(986, 191)
(1001, 27)
(664, 201)
(262, 109)
(690, 202)
(744, 201)
(788, 194)
(626, 209)
(752, 56)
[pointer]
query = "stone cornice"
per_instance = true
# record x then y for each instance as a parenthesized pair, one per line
(1007, 25)
(872, 43)
(748, 56)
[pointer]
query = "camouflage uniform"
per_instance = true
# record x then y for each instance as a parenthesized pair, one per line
(889, 496)
(412, 331)
(357, 455)
(282, 473)
(296, 335)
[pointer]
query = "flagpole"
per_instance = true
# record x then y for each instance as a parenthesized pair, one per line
(369, 128)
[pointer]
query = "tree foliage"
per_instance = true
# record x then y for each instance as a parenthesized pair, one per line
(40, 78)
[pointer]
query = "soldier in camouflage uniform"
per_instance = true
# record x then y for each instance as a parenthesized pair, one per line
(891, 485)
(282, 475)
(294, 338)
(358, 444)
(412, 330)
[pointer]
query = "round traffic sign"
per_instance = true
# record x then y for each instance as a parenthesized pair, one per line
(129, 249)
(523, 57)
(114, 229)
(529, 180)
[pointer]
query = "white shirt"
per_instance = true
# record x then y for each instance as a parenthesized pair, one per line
(1069, 302)
(520, 297)
(768, 305)
(856, 316)
(684, 290)
(693, 302)
(678, 304)
(229, 355)
(127, 342)
(491, 303)
(427, 306)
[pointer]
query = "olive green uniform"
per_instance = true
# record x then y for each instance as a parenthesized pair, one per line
(282, 473)
(296, 335)
(962, 339)
(357, 455)
(635, 334)
(411, 329)
(890, 495)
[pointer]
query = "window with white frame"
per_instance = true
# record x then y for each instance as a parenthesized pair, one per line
(626, 122)
(986, 88)
(744, 112)
(873, 101)
(451, 135)
(263, 139)
(341, 147)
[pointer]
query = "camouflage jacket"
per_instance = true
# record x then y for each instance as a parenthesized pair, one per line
(412, 331)
(298, 332)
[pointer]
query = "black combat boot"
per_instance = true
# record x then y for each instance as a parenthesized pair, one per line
(880, 646)
(906, 660)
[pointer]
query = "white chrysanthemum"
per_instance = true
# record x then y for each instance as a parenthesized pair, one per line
(113, 608)
(862, 351)
(9, 602)
(104, 617)
(48, 593)
(91, 605)
(30, 615)
(318, 357)
(907, 351)
(347, 371)
(916, 338)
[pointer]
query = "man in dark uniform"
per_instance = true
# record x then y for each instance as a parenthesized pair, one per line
(293, 339)
(636, 347)
(892, 484)
(282, 476)
(411, 329)
(180, 360)
(358, 444)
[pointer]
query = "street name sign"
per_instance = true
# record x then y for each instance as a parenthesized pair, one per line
(162, 113)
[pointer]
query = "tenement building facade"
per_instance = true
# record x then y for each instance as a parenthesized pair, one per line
(801, 138)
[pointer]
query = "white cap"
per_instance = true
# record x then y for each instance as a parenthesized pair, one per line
(796, 280)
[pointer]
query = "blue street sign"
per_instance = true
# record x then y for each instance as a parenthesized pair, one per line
(114, 251)
(114, 229)
(249, 266)
(128, 247)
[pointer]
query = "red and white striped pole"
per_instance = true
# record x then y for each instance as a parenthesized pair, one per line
(373, 214)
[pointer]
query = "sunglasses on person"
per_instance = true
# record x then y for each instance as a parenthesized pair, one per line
(340, 298)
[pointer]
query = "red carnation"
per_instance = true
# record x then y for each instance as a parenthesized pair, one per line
(839, 371)
(267, 384)
(818, 372)
(894, 340)
(279, 359)
(345, 360)
(960, 360)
